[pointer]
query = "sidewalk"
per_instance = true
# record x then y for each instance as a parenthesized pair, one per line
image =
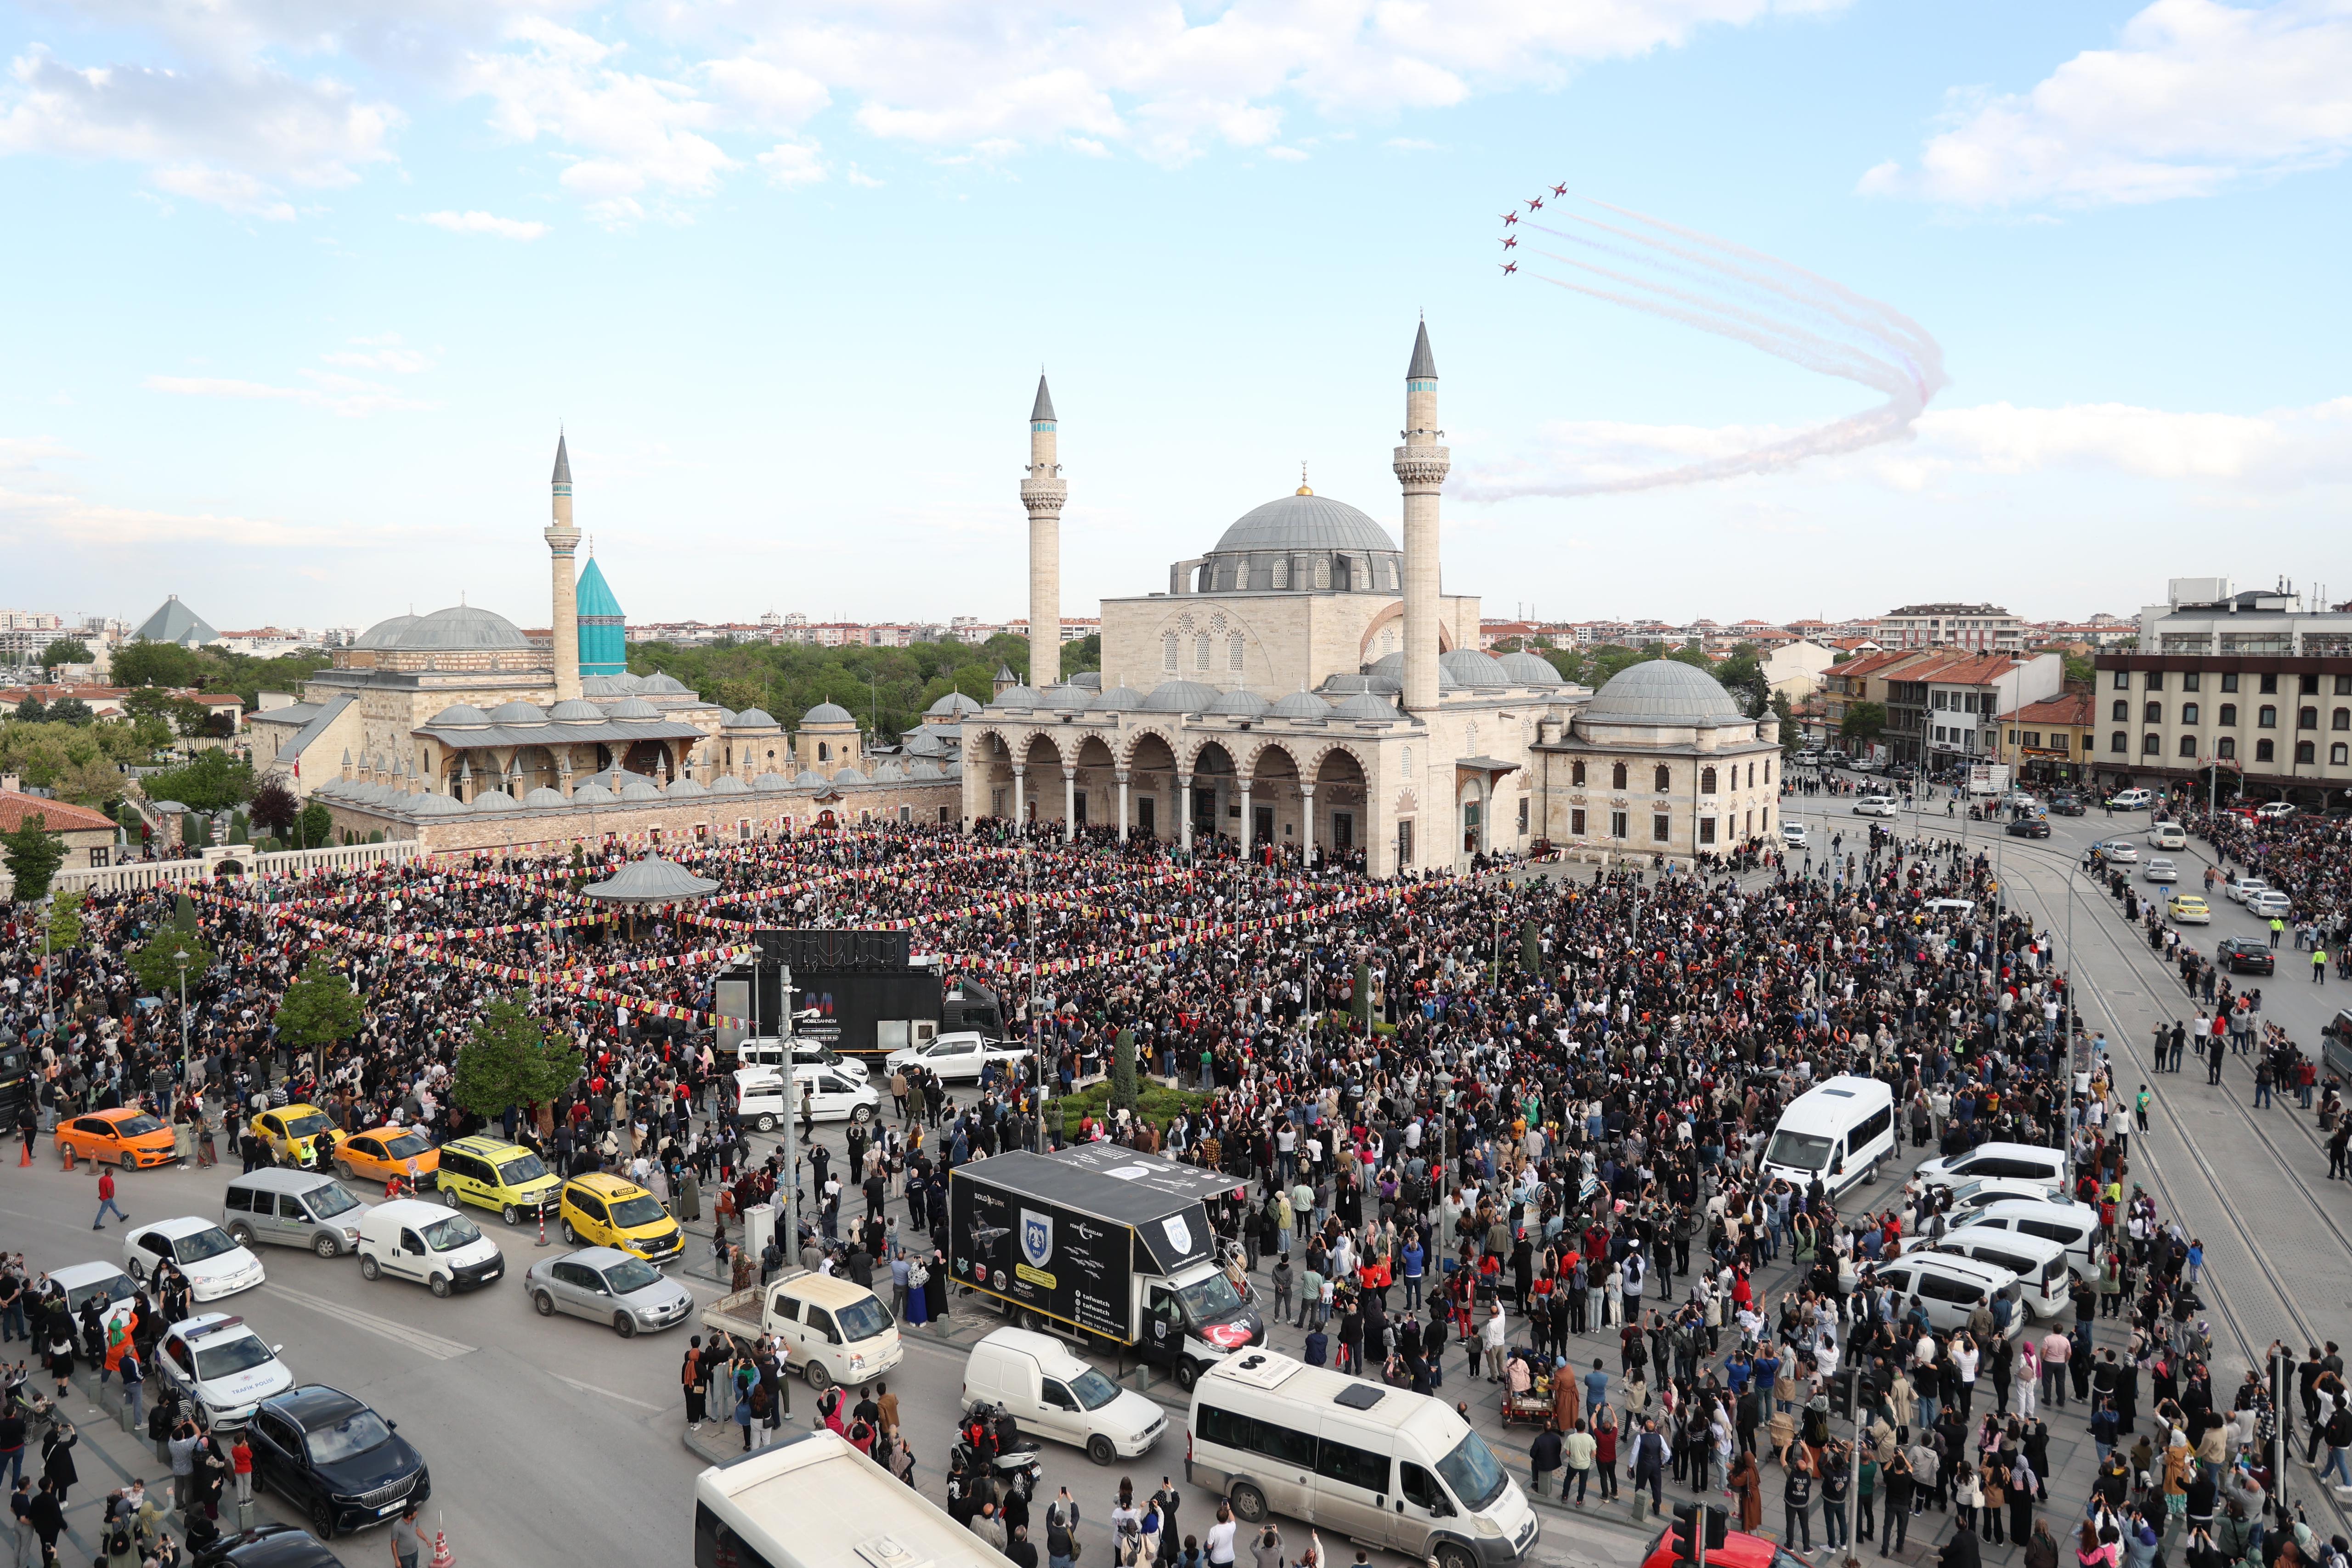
(107, 1459)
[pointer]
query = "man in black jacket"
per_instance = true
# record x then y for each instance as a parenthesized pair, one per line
(1962, 1549)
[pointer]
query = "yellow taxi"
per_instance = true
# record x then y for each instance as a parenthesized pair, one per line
(380, 1153)
(2188, 909)
(292, 1131)
(606, 1211)
(125, 1136)
(491, 1173)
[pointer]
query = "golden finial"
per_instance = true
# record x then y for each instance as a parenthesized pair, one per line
(1303, 490)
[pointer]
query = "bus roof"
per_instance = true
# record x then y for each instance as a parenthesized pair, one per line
(813, 1498)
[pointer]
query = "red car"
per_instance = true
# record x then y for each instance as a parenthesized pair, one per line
(1737, 1551)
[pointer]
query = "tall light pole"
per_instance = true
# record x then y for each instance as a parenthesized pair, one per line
(180, 956)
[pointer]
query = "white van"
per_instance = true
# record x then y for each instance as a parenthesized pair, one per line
(1948, 1287)
(761, 1101)
(2166, 836)
(2073, 1226)
(1053, 1393)
(767, 1051)
(1383, 1466)
(1838, 1131)
(2044, 1280)
(2131, 801)
(412, 1240)
(812, 1500)
(2036, 1163)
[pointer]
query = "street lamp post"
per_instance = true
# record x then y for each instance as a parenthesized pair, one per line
(180, 956)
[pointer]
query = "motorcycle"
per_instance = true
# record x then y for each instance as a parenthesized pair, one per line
(991, 1444)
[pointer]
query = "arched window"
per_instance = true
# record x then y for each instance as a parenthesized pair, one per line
(1576, 773)
(2229, 715)
(1664, 780)
(1200, 652)
(1282, 571)
(1408, 761)
(2266, 717)
(2340, 719)
(1322, 571)
(1388, 640)
(2187, 746)
(2336, 754)
(2149, 745)
(2153, 713)
(1707, 780)
(1751, 776)
(2188, 713)
(1168, 654)
(1234, 649)
(823, 752)
(2306, 751)
(2226, 747)
(2306, 718)
(1617, 776)
(2123, 711)
(2266, 751)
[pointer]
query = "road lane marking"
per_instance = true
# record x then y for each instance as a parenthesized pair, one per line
(604, 1393)
(418, 1340)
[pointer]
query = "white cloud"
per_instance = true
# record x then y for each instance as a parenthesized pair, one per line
(344, 396)
(478, 223)
(1410, 144)
(55, 517)
(1288, 155)
(791, 163)
(864, 180)
(770, 94)
(2198, 96)
(232, 137)
(20, 454)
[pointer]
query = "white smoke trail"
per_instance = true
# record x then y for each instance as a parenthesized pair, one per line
(1754, 298)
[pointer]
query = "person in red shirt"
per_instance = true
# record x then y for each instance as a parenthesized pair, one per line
(106, 1200)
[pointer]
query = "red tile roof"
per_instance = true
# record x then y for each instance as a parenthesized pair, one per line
(59, 816)
(2066, 707)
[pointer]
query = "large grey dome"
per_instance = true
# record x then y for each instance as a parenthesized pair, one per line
(1530, 669)
(460, 626)
(954, 704)
(1663, 692)
(1303, 523)
(828, 713)
(384, 634)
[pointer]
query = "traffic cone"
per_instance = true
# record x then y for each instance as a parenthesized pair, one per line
(27, 1159)
(442, 1557)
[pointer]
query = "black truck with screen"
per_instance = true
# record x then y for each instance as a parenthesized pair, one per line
(1103, 1243)
(861, 992)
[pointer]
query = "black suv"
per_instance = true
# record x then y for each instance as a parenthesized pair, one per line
(268, 1546)
(2245, 956)
(2066, 805)
(334, 1459)
(2029, 828)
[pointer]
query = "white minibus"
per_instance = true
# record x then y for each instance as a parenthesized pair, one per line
(1836, 1132)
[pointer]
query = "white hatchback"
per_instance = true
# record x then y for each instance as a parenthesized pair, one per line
(214, 1265)
(1875, 806)
(220, 1365)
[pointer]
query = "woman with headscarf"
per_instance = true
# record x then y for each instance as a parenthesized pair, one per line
(935, 1292)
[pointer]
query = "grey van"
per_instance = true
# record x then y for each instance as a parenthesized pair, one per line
(292, 1208)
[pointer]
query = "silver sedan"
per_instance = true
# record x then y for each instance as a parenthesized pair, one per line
(608, 1286)
(2161, 869)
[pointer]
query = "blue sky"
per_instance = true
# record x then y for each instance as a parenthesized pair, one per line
(300, 293)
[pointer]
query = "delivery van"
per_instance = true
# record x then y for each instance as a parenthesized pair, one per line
(441, 1248)
(1385, 1466)
(1051, 1392)
(1836, 1132)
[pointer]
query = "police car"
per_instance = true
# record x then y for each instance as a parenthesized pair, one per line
(220, 1364)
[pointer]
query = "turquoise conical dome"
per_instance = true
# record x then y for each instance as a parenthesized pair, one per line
(603, 638)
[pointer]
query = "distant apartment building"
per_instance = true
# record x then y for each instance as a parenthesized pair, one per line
(1979, 628)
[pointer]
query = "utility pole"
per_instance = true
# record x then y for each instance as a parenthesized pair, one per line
(791, 1219)
(181, 954)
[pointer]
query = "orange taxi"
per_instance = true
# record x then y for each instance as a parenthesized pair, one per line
(380, 1153)
(125, 1136)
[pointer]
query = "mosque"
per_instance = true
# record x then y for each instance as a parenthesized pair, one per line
(1309, 684)
(461, 728)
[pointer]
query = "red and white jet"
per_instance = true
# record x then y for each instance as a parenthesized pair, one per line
(1509, 268)
(1535, 203)
(1512, 216)
(1559, 190)
(1511, 240)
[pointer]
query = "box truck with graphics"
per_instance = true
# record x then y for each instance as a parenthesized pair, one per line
(1098, 1242)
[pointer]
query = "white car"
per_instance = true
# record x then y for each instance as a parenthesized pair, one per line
(1984, 1191)
(104, 1282)
(215, 1266)
(2269, 903)
(222, 1366)
(2120, 852)
(2241, 888)
(960, 1057)
(1796, 836)
(2160, 869)
(1875, 806)
(760, 1102)
(767, 1051)
(2275, 809)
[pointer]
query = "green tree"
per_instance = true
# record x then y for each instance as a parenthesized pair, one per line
(144, 664)
(315, 827)
(1361, 1002)
(1082, 656)
(1612, 659)
(2080, 670)
(71, 710)
(212, 781)
(63, 925)
(1865, 722)
(32, 710)
(511, 1061)
(1567, 661)
(160, 961)
(65, 650)
(1530, 947)
(33, 855)
(1122, 1071)
(1790, 741)
(1744, 678)
(318, 1009)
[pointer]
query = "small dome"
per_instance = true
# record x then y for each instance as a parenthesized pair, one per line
(1300, 704)
(1067, 698)
(461, 626)
(491, 801)
(889, 773)
(827, 712)
(1180, 696)
(810, 779)
(626, 682)
(592, 795)
(459, 716)
(384, 634)
(632, 707)
(680, 788)
(517, 711)
(922, 742)
(849, 776)
(543, 796)
(728, 784)
(1365, 705)
(601, 687)
(768, 781)
(751, 719)
(661, 686)
(923, 769)
(1016, 697)
(1240, 704)
(1664, 692)
(435, 806)
(1118, 699)
(1469, 667)
(575, 711)
(640, 789)
(954, 703)
(1528, 669)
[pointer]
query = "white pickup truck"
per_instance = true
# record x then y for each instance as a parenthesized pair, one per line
(833, 1330)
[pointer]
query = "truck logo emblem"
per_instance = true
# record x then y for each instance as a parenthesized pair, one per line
(1087, 1232)
(1037, 1237)
(1179, 1235)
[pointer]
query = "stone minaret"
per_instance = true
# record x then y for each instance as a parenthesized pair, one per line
(562, 539)
(1421, 466)
(1042, 493)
